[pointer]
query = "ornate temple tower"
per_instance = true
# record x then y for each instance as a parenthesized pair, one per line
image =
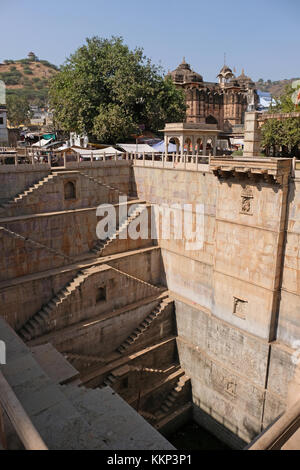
(223, 103)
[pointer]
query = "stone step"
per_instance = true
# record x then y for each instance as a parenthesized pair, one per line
(31, 327)
(98, 248)
(141, 329)
(22, 196)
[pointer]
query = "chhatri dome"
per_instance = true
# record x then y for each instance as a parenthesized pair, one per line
(225, 74)
(244, 80)
(183, 74)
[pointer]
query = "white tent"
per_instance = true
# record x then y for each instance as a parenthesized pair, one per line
(139, 148)
(87, 153)
(42, 143)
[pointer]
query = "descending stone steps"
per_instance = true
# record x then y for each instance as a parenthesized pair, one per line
(34, 326)
(143, 326)
(101, 244)
(148, 370)
(109, 381)
(83, 360)
(35, 244)
(153, 289)
(31, 190)
(148, 416)
(104, 185)
(173, 396)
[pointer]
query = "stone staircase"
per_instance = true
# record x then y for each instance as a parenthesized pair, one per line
(116, 191)
(109, 381)
(143, 326)
(102, 244)
(181, 387)
(31, 190)
(35, 325)
(148, 289)
(82, 360)
(35, 244)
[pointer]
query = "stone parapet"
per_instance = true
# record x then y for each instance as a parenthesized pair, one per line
(273, 169)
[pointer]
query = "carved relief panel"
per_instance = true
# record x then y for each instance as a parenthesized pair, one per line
(247, 201)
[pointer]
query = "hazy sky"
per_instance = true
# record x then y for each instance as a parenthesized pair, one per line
(263, 36)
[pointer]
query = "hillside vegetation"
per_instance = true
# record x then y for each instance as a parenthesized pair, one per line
(276, 88)
(28, 78)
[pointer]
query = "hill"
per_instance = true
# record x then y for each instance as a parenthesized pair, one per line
(276, 88)
(28, 77)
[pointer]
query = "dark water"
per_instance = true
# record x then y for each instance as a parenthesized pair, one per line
(192, 437)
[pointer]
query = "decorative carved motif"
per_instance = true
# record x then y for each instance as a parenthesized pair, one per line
(247, 196)
(240, 307)
(230, 387)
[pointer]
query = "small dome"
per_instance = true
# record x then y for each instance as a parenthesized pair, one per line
(225, 72)
(184, 74)
(243, 80)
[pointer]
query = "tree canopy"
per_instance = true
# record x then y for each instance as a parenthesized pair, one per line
(285, 133)
(18, 110)
(108, 91)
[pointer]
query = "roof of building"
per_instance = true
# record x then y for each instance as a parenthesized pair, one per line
(136, 148)
(225, 72)
(244, 79)
(184, 74)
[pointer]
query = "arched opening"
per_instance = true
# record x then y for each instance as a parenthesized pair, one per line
(173, 147)
(188, 148)
(199, 147)
(70, 190)
(209, 146)
(211, 120)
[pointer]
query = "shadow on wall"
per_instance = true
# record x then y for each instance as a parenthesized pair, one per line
(206, 421)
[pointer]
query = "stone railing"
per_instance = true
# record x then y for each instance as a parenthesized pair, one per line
(19, 419)
(13, 159)
(171, 161)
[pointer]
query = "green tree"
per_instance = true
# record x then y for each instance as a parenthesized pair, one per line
(109, 91)
(284, 133)
(18, 110)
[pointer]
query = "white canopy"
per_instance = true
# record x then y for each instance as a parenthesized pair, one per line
(140, 148)
(42, 143)
(87, 153)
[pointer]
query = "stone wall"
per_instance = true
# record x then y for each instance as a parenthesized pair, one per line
(60, 237)
(51, 195)
(236, 307)
(14, 179)
(32, 292)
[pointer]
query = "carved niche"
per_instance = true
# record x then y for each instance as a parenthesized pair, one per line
(247, 200)
(240, 307)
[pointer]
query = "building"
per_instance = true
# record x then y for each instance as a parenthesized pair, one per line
(223, 103)
(3, 116)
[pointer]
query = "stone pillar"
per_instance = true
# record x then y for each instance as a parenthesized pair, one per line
(252, 135)
(166, 146)
(214, 146)
(177, 148)
(181, 140)
(193, 147)
(204, 142)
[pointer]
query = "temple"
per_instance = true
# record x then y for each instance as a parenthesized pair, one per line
(223, 103)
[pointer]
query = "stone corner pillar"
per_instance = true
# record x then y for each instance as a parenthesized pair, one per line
(252, 135)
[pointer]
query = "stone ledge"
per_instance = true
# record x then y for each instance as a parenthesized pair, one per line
(276, 170)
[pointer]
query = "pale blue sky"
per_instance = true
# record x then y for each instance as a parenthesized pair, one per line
(260, 35)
